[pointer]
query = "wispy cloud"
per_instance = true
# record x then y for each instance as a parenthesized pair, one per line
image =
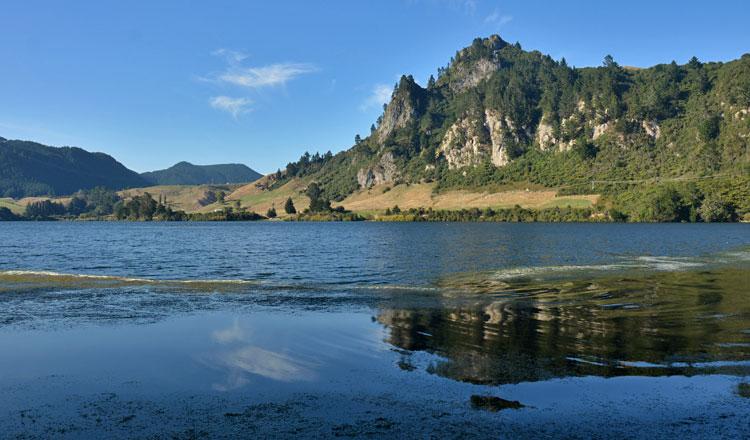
(232, 56)
(466, 6)
(237, 73)
(232, 334)
(233, 106)
(496, 18)
(265, 76)
(380, 94)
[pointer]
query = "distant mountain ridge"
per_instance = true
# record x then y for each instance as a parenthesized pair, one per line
(185, 173)
(32, 169)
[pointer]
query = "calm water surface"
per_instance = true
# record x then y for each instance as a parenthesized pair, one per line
(255, 329)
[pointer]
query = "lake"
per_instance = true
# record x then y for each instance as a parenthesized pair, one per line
(226, 330)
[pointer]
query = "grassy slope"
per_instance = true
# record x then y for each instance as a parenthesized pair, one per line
(19, 206)
(421, 196)
(372, 201)
(183, 197)
(375, 200)
(13, 205)
(260, 201)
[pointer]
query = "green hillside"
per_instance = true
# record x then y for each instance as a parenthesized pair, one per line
(32, 169)
(185, 173)
(670, 135)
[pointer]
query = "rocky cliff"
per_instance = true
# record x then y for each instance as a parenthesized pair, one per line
(498, 113)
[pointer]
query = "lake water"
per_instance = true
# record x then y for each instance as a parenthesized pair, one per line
(226, 330)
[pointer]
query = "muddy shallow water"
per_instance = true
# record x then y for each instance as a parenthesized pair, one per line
(404, 330)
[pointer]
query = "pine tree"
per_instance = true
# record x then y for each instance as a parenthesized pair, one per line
(289, 206)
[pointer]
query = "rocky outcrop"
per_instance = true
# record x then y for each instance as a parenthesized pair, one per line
(461, 145)
(600, 130)
(402, 109)
(383, 172)
(397, 115)
(738, 115)
(470, 141)
(652, 129)
(475, 63)
(467, 76)
(545, 135)
(498, 127)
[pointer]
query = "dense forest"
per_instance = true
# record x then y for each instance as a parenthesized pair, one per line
(32, 169)
(669, 142)
(185, 173)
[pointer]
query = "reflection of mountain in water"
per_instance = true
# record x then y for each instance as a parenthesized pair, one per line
(664, 323)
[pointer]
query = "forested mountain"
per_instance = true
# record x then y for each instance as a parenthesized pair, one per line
(32, 169)
(498, 114)
(185, 173)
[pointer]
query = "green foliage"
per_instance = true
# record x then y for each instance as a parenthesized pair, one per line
(516, 214)
(289, 206)
(317, 202)
(185, 173)
(43, 210)
(329, 216)
(225, 215)
(7, 215)
(31, 169)
(271, 212)
(715, 209)
(714, 200)
(77, 206)
(99, 201)
(709, 128)
(665, 122)
(584, 149)
(145, 208)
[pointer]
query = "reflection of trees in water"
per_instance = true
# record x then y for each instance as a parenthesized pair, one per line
(577, 328)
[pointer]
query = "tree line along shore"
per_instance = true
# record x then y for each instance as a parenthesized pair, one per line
(673, 203)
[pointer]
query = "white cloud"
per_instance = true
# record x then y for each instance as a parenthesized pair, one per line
(233, 106)
(466, 6)
(249, 77)
(232, 56)
(265, 76)
(232, 334)
(469, 5)
(380, 95)
(498, 19)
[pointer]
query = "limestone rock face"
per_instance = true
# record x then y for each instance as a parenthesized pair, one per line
(475, 63)
(498, 127)
(740, 114)
(470, 76)
(545, 136)
(403, 108)
(397, 115)
(383, 172)
(461, 145)
(600, 130)
(652, 129)
(470, 141)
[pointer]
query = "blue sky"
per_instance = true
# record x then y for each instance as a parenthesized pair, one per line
(260, 82)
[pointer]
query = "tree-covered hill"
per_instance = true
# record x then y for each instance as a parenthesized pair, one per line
(32, 169)
(498, 114)
(185, 173)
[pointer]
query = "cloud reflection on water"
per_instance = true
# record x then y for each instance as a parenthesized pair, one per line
(246, 360)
